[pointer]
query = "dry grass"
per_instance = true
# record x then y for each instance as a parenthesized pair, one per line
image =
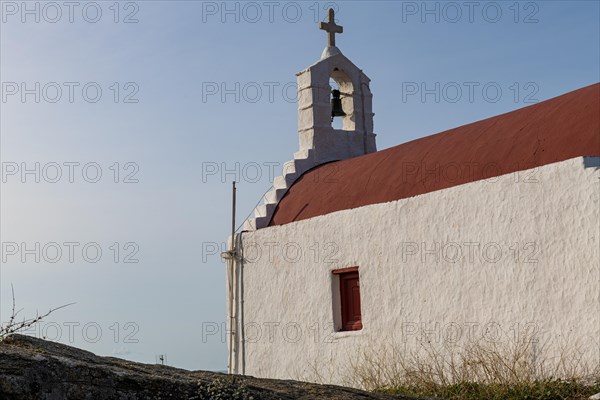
(481, 370)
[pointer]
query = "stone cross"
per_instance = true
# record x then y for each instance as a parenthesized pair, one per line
(331, 28)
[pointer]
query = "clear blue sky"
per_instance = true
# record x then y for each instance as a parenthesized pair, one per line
(180, 135)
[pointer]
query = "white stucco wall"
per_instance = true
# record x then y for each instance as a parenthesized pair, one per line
(545, 223)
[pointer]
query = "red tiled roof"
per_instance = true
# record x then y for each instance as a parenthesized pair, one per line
(555, 130)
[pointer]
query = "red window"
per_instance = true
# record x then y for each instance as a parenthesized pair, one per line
(350, 299)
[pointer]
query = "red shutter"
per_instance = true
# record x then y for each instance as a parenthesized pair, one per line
(350, 301)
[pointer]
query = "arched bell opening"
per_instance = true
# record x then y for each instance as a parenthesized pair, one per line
(342, 101)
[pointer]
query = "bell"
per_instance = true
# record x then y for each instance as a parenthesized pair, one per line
(336, 105)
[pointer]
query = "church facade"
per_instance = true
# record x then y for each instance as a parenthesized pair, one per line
(485, 232)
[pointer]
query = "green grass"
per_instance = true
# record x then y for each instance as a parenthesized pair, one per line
(536, 390)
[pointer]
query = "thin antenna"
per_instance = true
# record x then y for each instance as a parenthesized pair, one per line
(233, 218)
(161, 359)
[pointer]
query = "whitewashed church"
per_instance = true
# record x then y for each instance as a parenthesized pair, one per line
(486, 231)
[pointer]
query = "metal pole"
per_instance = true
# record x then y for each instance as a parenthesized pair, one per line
(232, 285)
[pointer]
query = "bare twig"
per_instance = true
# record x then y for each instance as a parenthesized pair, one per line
(14, 327)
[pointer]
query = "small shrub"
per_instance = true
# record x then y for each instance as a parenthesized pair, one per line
(223, 389)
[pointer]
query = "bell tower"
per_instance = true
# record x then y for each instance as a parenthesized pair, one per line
(315, 104)
(318, 105)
